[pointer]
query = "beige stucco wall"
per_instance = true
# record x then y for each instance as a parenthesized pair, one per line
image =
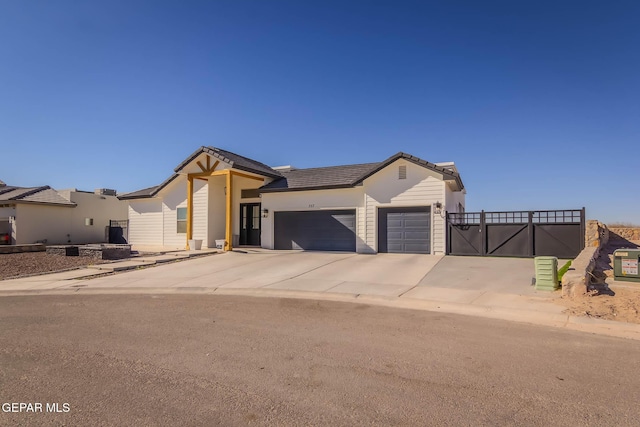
(37, 223)
(66, 224)
(100, 208)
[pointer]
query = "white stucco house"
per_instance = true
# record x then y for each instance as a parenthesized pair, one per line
(396, 205)
(44, 215)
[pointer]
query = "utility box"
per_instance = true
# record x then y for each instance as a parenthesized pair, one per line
(625, 265)
(546, 273)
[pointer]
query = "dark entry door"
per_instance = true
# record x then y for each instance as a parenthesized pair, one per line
(250, 224)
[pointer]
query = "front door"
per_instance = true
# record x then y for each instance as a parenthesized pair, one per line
(250, 224)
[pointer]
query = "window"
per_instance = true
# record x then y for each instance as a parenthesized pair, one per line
(88, 221)
(460, 208)
(251, 193)
(402, 172)
(182, 220)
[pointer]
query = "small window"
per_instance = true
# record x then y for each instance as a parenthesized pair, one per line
(250, 193)
(402, 172)
(182, 220)
(88, 221)
(460, 208)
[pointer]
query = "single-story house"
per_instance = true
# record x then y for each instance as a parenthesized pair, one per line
(44, 215)
(396, 205)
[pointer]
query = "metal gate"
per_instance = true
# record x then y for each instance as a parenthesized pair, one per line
(516, 234)
(119, 231)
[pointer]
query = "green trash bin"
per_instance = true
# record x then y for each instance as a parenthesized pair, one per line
(625, 265)
(546, 273)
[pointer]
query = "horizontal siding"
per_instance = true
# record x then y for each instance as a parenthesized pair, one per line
(421, 188)
(176, 197)
(145, 222)
(200, 209)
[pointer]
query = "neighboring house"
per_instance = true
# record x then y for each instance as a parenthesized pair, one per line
(397, 205)
(42, 214)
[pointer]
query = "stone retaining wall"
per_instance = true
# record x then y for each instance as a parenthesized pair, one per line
(16, 249)
(63, 250)
(596, 234)
(575, 282)
(105, 251)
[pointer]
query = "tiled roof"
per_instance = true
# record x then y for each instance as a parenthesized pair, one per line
(140, 194)
(346, 176)
(300, 179)
(235, 160)
(42, 195)
(146, 193)
(319, 178)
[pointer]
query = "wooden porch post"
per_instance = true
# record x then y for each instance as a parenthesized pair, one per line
(229, 224)
(189, 209)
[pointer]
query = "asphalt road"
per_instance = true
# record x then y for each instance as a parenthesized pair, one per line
(218, 360)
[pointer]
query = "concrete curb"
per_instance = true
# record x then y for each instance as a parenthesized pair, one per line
(563, 321)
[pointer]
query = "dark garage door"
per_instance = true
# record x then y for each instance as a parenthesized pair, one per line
(316, 230)
(404, 230)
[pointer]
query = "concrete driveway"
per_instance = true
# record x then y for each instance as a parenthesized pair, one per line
(498, 288)
(383, 274)
(453, 279)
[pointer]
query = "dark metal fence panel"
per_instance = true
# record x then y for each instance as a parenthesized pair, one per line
(119, 231)
(516, 233)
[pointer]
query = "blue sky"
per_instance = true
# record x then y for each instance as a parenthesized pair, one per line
(536, 102)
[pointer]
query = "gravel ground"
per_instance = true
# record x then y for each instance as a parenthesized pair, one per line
(29, 263)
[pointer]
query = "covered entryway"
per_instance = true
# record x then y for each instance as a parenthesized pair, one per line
(330, 230)
(404, 230)
(250, 224)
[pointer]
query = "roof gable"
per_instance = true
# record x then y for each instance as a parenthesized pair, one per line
(447, 173)
(234, 161)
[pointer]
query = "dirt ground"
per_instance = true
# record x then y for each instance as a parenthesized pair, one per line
(30, 263)
(607, 300)
(209, 360)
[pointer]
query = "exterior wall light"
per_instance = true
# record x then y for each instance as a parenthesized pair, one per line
(438, 207)
(265, 213)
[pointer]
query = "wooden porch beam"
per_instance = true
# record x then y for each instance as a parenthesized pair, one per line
(244, 175)
(202, 168)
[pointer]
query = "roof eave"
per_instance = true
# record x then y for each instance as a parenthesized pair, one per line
(31, 202)
(144, 196)
(321, 187)
(253, 171)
